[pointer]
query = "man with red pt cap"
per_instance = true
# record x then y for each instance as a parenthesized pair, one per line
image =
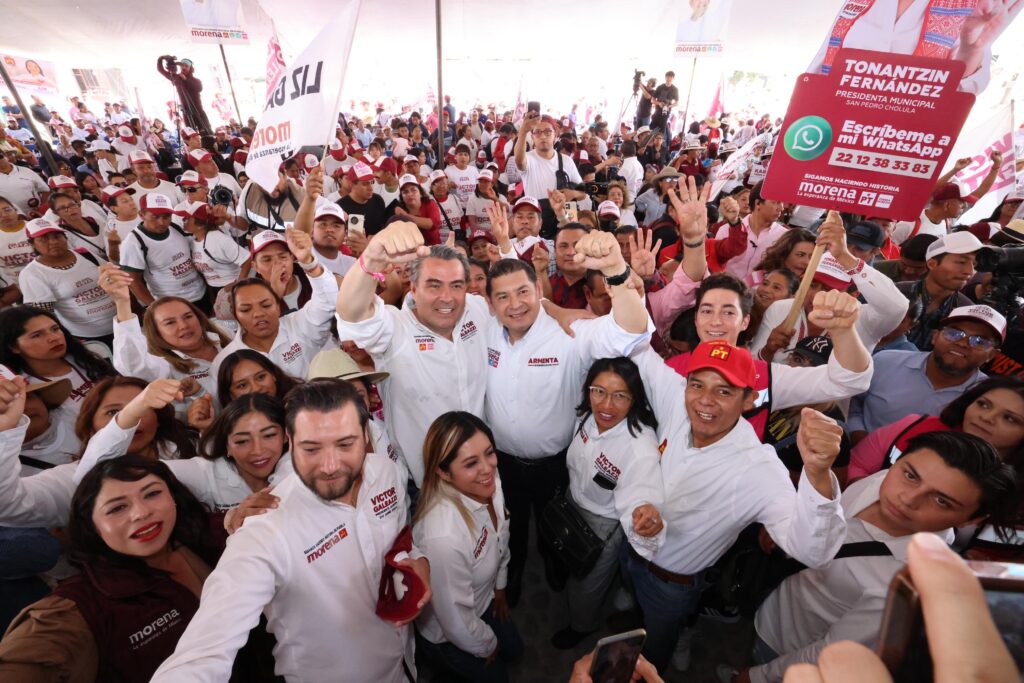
(722, 479)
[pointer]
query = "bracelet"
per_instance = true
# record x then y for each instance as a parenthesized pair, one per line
(308, 267)
(379, 277)
(694, 245)
(618, 279)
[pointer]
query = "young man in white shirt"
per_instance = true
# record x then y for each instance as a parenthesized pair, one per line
(22, 187)
(148, 182)
(326, 222)
(943, 481)
(540, 167)
(159, 256)
(314, 563)
(203, 162)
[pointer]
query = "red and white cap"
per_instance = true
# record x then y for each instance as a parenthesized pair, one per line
(337, 150)
(408, 179)
(191, 179)
(409, 158)
(39, 227)
(486, 174)
(198, 156)
(111, 192)
(436, 175)
(607, 208)
(310, 162)
(125, 133)
(198, 210)
(137, 156)
(156, 203)
(328, 208)
(481, 155)
(360, 172)
(526, 201)
(831, 274)
(61, 182)
(98, 145)
(979, 313)
(584, 156)
(264, 239)
(953, 243)
(240, 156)
(187, 132)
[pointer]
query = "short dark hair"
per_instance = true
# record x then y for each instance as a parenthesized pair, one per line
(508, 266)
(573, 226)
(791, 278)
(730, 282)
(322, 395)
(462, 149)
(755, 196)
(916, 248)
(684, 328)
(628, 148)
(670, 74)
(640, 412)
(980, 462)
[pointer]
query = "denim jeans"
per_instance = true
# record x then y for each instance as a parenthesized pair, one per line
(665, 606)
(467, 667)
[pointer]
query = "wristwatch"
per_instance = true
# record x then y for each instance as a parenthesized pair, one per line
(618, 279)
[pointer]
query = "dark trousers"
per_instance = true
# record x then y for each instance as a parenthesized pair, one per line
(466, 667)
(528, 485)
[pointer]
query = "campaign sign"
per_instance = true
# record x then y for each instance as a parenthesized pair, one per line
(871, 136)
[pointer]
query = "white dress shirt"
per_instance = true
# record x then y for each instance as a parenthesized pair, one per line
(42, 500)
(313, 567)
(466, 567)
(717, 490)
(843, 600)
(300, 335)
(630, 464)
(533, 386)
(429, 375)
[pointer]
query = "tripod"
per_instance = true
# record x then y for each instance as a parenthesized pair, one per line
(632, 98)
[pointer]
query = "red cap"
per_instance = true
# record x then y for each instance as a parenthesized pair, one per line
(831, 274)
(198, 156)
(401, 588)
(734, 364)
(240, 156)
(39, 227)
(360, 172)
(951, 191)
(155, 203)
(388, 165)
(198, 210)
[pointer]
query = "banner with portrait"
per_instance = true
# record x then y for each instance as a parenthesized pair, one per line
(215, 21)
(31, 75)
(701, 31)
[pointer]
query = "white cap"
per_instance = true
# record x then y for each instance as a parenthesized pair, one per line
(955, 243)
(979, 313)
(643, 129)
(407, 179)
(155, 203)
(197, 156)
(267, 237)
(125, 132)
(437, 175)
(607, 208)
(98, 146)
(188, 132)
(137, 156)
(191, 179)
(832, 274)
(328, 208)
(310, 162)
(486, 174)
(58, 182)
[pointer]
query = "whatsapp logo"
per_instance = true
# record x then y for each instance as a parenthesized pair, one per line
(808, 138)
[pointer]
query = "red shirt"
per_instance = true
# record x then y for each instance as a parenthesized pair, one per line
(566, 295)
(432, 235)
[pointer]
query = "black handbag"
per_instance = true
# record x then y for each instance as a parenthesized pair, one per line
(564, 531)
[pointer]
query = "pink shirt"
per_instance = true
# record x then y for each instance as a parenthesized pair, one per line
(743, 265)
(867, 456)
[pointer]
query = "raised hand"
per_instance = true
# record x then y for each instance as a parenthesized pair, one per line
(690, 205)
(729, 209)
(642, 256)
(115, 282)
(600, 251)
(499, 223)
(200, 413)
(834, 310)
(832, 234)
(315, 183)
(818, 439)
(300, 244)
(400, 242)
(540, 259)
(12, 401)
(158, 394)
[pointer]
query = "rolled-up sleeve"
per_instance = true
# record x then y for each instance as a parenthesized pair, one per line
(131, 353)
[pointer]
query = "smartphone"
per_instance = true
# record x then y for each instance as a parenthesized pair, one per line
(533, 106)
(902, 641)
(356, 223)
(572, 211)
(615, 657)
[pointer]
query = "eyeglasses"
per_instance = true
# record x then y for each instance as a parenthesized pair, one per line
(619, 398)
(543, 133)
(975, 341)
(66, 207)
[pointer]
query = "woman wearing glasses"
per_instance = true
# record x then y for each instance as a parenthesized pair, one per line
(85, 234)
(614, 484)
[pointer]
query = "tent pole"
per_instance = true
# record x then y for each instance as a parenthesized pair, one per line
(42, 143)
(689, 91)
(227, 70)
(440, 89)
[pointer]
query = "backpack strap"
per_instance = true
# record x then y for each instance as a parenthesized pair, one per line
(863, 549)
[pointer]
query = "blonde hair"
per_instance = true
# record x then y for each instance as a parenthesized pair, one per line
(626, 199)
(159, 347)
(445, 437)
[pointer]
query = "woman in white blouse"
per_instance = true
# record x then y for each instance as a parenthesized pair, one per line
(614, 483)
(460, 526)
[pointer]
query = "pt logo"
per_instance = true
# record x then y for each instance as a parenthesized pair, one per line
(808, 138)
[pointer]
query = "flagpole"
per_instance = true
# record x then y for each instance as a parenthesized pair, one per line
(231, 84)
(440, 88)
(686, 109)
(43, 142)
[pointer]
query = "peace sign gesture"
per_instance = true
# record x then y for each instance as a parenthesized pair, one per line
(642, 254)
(690, 205)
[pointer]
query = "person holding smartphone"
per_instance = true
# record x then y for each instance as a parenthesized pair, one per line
(542, 168)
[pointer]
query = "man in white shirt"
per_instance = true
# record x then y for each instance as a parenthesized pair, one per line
(944, 481)
(326, 222)
(203, 162)
(126, 143)
(312, 565)
(22, 187)
(721, 479)
(543, 169)
(763, 229)
(148, 182)
(947, 204)
(631, 171)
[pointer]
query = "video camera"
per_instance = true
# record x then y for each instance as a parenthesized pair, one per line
(1007, 267)
(170, 63)
(637, 76)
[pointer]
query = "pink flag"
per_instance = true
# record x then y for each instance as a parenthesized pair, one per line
(275, 62)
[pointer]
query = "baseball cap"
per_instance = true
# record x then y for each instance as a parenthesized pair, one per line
(983, 230)
(732, 363)
(187, 132)
(954, 243)
(979, 313)
(98, 146)
(125, 132)
(389, 166)
(481, 156)
(831, 274)
(110, 192)
(197, 210)
(407, 179)
(815, 349)
(309, 162)
(262, 240)
(526, 201)
(950, 191)
(53, 393)
(337, 363)
(486, 174)
(39, 227)
(328, 208)
(155, 203)
(437, 175)
(410, 157)
(643, 129)
(137, 156)
(198, 156)
(240, 156)
(360, 172)
(607, 208)
(866, 235)
(401, 588)
(337, 150)
(60, 182)
(191, 179)
(481, 235)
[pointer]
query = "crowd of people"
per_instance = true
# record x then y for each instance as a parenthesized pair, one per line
(300, 432)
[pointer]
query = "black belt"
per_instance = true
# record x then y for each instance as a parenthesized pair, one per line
(533, 461)
(662, 573)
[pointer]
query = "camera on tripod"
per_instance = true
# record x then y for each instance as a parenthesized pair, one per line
(637, 75)
(1007, 267)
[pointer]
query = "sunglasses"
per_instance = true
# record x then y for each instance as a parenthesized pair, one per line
(975, 341)
(120, 184)
(191, 190)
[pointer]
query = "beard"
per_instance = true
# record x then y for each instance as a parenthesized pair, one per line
(337, 486)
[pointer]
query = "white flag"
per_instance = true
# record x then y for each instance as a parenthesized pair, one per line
(737, 162)
(994, 133)
(303, 109)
